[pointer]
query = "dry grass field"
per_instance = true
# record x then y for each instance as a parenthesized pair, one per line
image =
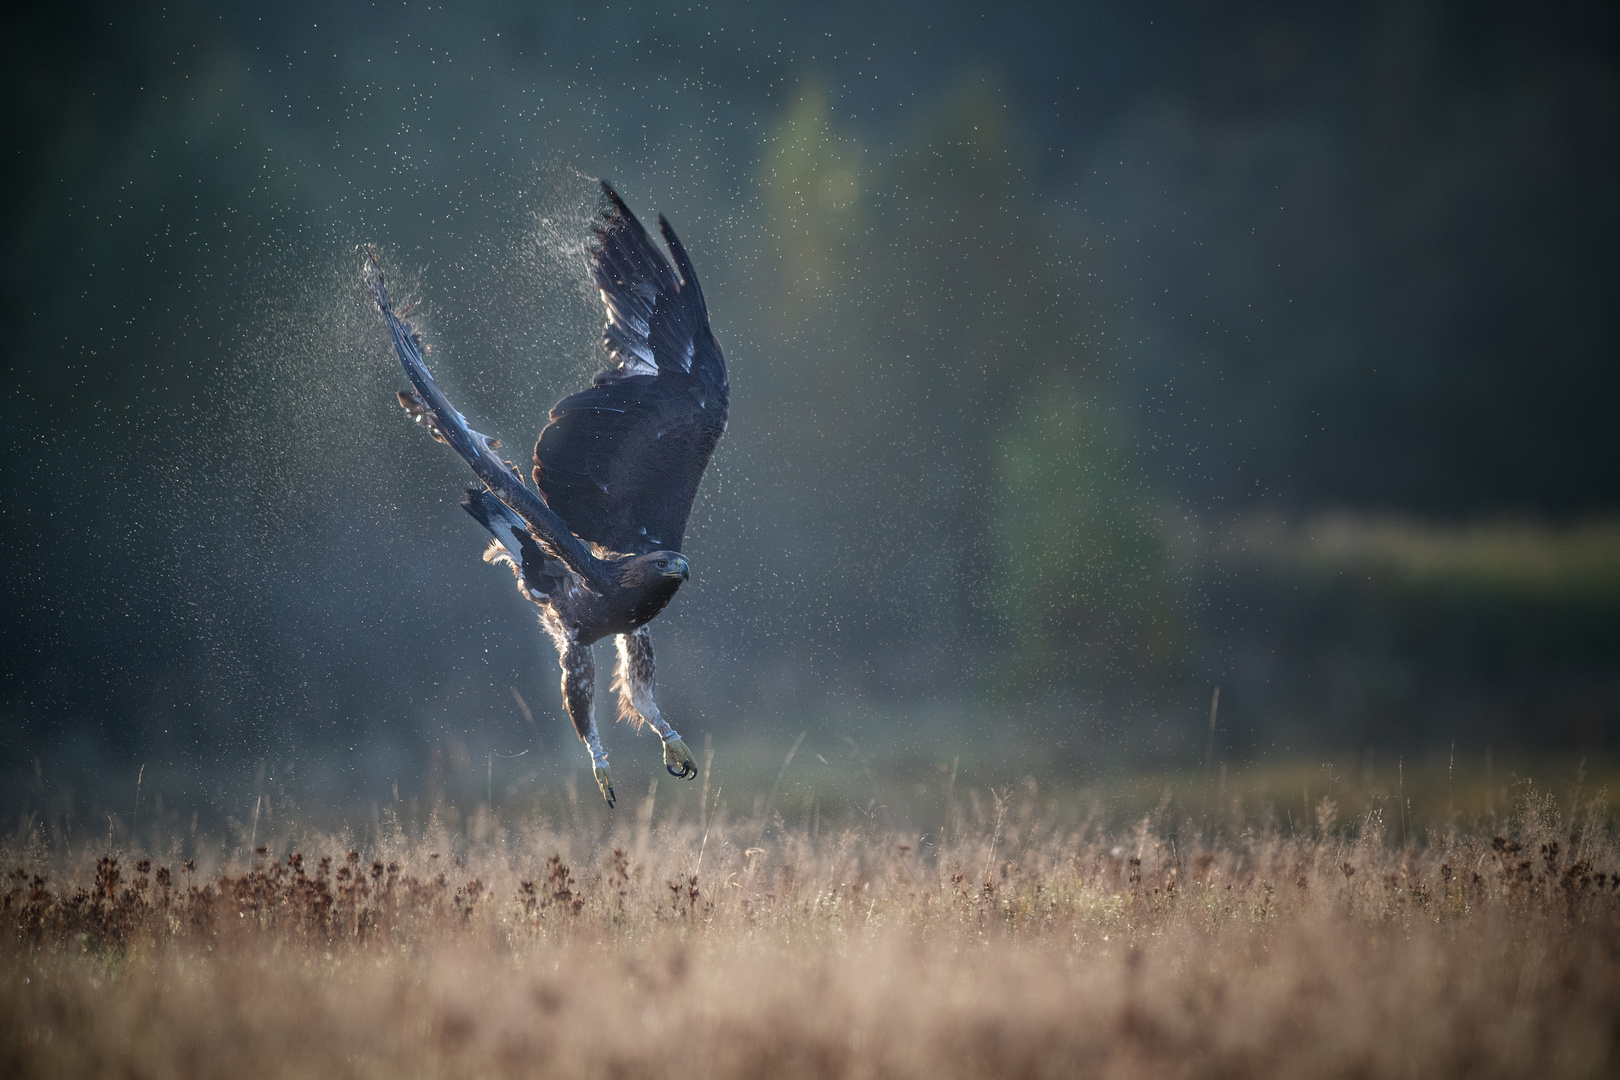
(1014, 942)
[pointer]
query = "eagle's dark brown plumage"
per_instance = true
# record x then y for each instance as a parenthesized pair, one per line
(617, 469)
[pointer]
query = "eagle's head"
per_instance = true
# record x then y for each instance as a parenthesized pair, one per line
(651, 580)
(665, 566)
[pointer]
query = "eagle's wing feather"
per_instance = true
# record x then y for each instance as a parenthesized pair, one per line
(621, 462)
(477, 450)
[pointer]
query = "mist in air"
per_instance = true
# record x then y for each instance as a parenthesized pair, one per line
(1082, 361)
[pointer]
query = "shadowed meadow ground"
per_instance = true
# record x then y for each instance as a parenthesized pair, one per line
(1031, 932)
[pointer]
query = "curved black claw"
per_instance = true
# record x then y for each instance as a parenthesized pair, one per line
(678, 759)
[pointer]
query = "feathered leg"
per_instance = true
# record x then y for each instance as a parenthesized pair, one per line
(579, 693)
(633, 679)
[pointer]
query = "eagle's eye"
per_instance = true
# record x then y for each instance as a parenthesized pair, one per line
(663, 564)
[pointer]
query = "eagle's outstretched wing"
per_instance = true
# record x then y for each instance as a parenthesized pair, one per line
(621, 462)
(478, 450)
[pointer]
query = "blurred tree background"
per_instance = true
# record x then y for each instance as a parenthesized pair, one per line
(1083, 358)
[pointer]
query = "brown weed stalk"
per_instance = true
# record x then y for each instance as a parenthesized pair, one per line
(1017, 949)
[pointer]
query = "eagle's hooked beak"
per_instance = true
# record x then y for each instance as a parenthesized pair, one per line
(678, 568)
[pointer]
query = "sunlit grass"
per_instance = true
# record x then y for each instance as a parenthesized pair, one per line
(1029, 932)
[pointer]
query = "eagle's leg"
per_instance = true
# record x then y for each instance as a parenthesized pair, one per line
(633, 679)
(579, 692)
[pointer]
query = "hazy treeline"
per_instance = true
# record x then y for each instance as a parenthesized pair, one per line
(1035, 324)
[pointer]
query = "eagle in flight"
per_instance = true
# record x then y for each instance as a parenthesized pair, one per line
(596, 544)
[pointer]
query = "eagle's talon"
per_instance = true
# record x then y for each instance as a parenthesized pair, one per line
(604, 780)
(678, 760)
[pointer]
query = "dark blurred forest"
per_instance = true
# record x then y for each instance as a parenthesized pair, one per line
(1084, 357)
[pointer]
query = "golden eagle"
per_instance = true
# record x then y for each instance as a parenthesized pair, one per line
(598, 548)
